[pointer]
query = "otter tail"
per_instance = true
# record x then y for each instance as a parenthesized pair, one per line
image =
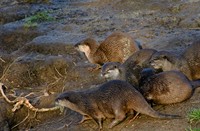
(195, 83)
(159, 115)
(166, 116)
(138, 44)
(148, 110)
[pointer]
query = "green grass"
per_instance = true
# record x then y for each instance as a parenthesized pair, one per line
(34, 20)
(194, 116)
(193, 129)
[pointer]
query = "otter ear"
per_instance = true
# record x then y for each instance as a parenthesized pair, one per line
(76, 45)
(87, 45)
(163, 56)
(69, 99)
(65, 96)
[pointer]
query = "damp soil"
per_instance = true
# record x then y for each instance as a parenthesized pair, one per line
(38, 56)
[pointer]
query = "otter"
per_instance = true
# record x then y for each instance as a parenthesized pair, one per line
(188, 62)
(117, 47)
(130, 69)
(167, 87)
(192, 56)
(113, 99)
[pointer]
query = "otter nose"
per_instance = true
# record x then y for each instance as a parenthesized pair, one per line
(57, 103)
(103, 74)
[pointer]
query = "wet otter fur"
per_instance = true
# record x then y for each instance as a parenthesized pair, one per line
(117, 47)
(166, 87)
(113, 99)
(188, 62)
(130, 69)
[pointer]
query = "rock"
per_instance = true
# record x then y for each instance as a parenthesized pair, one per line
(15, 36)
(35, 70)
(175, 42)
(51, 45)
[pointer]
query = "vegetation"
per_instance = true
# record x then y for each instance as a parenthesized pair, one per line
(193, 129)
(35, 1)
(194, 116)
(32, 21)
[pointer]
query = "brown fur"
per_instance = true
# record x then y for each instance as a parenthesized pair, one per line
(131, 68)
(188, 63)
(167, 87)
(117, 47)
(113, 99)
(192, 56)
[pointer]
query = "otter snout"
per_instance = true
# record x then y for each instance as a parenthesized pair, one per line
(151, 63)
(77, 45)
(111, 74)
(156, 64)
(57, 102)
(105, 75)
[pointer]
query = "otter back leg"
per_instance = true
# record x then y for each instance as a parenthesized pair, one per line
(99, 121)
(119, 116)
(84, 118)
(134, 117)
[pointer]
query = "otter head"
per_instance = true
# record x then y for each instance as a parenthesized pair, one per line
(87, 46)
(70, 100)
(111, 70)
(164, 61)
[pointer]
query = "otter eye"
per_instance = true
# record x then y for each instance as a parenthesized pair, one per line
(67, 98)
(164, 57)
(155, 59)
(86, 44)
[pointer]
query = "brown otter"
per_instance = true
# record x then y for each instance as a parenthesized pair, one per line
(188, 62)
(117, 47)
(166, 87)
(113, 99)
(192, 56)
(130, 69)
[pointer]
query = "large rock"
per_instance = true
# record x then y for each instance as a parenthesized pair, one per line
(14, 36)
(35, 70)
